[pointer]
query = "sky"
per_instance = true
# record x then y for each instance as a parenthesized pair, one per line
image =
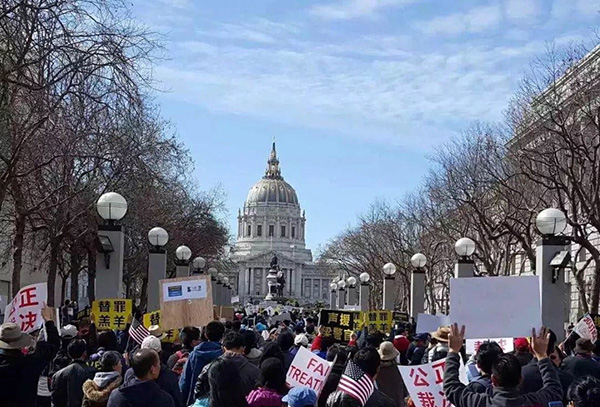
(357, 93)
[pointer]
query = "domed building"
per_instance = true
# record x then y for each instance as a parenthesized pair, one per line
(272, 223)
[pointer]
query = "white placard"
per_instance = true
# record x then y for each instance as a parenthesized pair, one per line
(507, 344)
(308, 370)
(425, 383)
(351, 307)
(235, 300)
(586, 328)
(184, 290)
(496, 307)
(428, 323)
(26, 308)
(280, 318)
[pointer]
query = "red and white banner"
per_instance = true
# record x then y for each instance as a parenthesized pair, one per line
(586, 328)
(26, 308)
(308, 370)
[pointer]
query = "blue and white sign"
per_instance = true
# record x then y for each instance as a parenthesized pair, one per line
(184, 290)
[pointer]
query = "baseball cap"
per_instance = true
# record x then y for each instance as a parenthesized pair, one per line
(151, 342)
(68, 332)
(521, 344)
(300, 397)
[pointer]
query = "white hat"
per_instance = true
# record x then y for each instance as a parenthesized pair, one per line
(68, 332)
(151, 342)
(301, 339)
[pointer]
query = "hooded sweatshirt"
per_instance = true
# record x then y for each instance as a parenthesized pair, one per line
(97, 390)
(139, 393)
(263, 397)
(201, 356)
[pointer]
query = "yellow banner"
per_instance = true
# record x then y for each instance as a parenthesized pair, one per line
(153, 318)
(112, 313)
(378, 321)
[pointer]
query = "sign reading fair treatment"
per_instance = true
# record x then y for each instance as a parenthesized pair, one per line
(425, 384)
(184, 290)
(25, 309)
(496, 307)
(308, 370)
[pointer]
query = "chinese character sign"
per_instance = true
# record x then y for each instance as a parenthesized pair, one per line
(111, 313)
(308, 370)
(25, 309)
(425, 384)
(378, 321)
(339, 324)
(153, 318)
(507, 344)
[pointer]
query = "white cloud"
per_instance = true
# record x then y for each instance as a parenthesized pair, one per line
(478, 19)
(347, 10)
(581, 8)
(523, 12)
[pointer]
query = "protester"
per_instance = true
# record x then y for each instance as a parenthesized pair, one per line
(300, 341)
(271, 350)
(19, 372)
(301, 397)
(203, 354)
(166, 380)
(251, 352)
(67, 383)
(389, 380)
(96, 391)
(107, 340)
(440, 350)
(286, 342)
(224, 379)
(402, 343)
(143, 390)
(522, 351)
(234, 346)
(506, 375)
(582, 364)
(272, 385)
(585, 392)
(337, 369)
(417, 349)
(325, 343)
(486, 356)
(202, 390)
(532, 378)
(190, 337)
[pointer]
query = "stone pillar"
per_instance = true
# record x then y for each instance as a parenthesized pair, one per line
(417, 293)
(364, 296)
(157, 270)
(464, 268)
(264, 273)
(552, 284)
(352, 295)
(333, 299)
(109, 266)
(213, 288)
(182, 270)
(341, 298)
(218, 298)
(388, 293)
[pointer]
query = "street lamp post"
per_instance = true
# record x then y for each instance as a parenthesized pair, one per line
(182, 262)
(213, 283)
(226, 292)
(465, 267)
(157, 265)
(417, 285)
(364, 291)
(341, 285)
(111, 207)
(552, 255)
(198, 264)
(388, 286)
(333, 296)
(352, 291)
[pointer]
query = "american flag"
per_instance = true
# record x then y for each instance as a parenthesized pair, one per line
(138, 331)
(356, 383)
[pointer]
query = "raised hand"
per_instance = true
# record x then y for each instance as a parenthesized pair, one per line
(539, 343)
(456, 338)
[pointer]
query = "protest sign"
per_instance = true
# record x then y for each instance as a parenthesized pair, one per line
(308, 370)
(428, 323)
(496, 307)
(586, 328)
(400, 318)
(112, 313)
(425, 383)
(339, 324)
(84, 313)
(185, 301)
(25, 309)
(251, 309)
(378, 321)
(280, 318)
(507, 344)
(351, 308)
(153, 318)
(270, 311)
(235, 299)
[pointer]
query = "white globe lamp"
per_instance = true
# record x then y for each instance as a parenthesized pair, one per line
(351, 281)
(418, 260)
(364, 277)
(111, 206)
(464, 247)
(183, 253)
(389, 269)
(158, 237)
(333, 286)
(551, 222)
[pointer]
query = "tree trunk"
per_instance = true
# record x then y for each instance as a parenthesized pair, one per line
(595, 287)
(18, 242)
(52, 272)
(91, 267)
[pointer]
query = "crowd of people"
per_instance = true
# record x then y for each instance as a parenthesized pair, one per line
(243, 363)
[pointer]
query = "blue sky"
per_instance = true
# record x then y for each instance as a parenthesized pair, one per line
(357, 92)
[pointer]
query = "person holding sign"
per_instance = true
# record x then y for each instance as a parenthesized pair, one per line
(506, 376)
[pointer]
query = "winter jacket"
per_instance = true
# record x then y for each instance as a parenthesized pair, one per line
(249, 373)
(415, 354)
(139, 393)
(97, 390)
(389, 381)
(459, 396)
(532, 378)
(19, 374)
(524, 357)
(341, 399)
(67, 384)
(167, 381)
(263, 397)
(316, 344)
(581, 365)
(254, 356)
(202, 355)
(480, 384)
